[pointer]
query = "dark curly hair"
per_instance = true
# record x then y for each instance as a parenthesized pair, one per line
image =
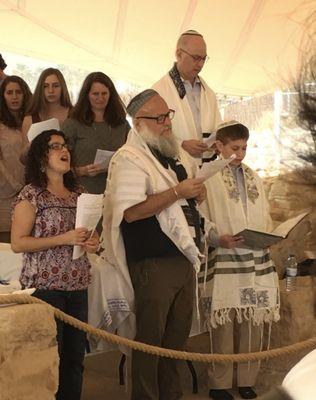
(114, 113)
(6, 117)
(37, 158)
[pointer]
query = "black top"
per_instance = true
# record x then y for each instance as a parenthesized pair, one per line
(144, 238)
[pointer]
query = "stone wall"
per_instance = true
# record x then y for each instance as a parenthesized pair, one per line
(290, 194)
(28, 353)
(297, 323)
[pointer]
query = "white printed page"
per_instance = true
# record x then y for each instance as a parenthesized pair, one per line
(210, 140)
(211, 168)
(37, 128)
(284, 228)
(89, 211)
(103, 157)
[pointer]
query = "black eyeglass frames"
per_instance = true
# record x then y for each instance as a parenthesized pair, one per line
(160, 119)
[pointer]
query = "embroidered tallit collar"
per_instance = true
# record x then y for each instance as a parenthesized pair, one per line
(231, 184)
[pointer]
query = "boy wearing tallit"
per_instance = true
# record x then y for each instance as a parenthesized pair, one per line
(240, 286)
(152, 235)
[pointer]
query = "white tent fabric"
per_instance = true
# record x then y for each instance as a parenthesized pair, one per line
(254, 45)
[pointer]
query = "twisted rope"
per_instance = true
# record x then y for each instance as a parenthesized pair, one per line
(158, 351)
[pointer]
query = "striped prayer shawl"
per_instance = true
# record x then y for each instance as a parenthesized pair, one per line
(241, 279)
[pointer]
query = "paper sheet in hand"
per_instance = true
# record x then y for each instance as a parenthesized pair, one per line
(257, 239)
(211, 168)
(210, 140)
(39, 127)
(89, 211)
(103, 157)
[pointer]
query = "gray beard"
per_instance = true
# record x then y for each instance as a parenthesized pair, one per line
(166, 145)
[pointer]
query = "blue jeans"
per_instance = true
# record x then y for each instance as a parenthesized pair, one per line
(71, 341)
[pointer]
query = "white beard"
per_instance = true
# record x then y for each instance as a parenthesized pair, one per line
(166, 145)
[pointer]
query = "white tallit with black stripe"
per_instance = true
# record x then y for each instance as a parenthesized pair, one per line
(241, 279)
(134, 173)
(183, 124)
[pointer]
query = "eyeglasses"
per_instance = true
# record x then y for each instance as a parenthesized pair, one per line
(58, 146)
(160, 119)
(196, 58)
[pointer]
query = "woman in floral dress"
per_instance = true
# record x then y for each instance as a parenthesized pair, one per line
(43, 228)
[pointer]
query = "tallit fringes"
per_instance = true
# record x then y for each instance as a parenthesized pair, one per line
(218, 317)
(211, 345)
(206, 264)
(198, 316)
(249, 342)
(250, 314)
(238, 315)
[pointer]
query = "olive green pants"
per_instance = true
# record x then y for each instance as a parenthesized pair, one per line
(164, 301)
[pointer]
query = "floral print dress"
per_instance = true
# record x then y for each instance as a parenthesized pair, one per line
(53, 268)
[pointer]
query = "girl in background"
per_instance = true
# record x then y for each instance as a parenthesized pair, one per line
(50, 100)
(15, 96)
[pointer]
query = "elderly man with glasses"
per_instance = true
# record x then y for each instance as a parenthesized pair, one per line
(197, 113)
(152, 234)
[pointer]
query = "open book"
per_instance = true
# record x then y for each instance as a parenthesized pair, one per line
(257, 239)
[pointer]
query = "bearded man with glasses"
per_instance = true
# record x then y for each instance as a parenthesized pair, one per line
(197, 114)
(152, 235)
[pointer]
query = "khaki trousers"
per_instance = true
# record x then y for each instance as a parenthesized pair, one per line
(164, 301)
(234, 338)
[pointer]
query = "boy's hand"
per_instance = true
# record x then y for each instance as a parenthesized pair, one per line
(230, 242)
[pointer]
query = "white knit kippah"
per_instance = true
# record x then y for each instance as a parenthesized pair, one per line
(229, 123)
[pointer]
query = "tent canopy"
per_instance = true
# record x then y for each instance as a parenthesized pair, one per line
(254, 45)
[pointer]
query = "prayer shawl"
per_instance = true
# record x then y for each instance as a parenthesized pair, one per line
(134, 173)
(172, 90)
(240, 279)
(111, 308)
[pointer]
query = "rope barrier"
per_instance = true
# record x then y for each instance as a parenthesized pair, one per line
(158, 351)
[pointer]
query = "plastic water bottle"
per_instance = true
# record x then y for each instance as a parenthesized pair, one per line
(290, 273)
